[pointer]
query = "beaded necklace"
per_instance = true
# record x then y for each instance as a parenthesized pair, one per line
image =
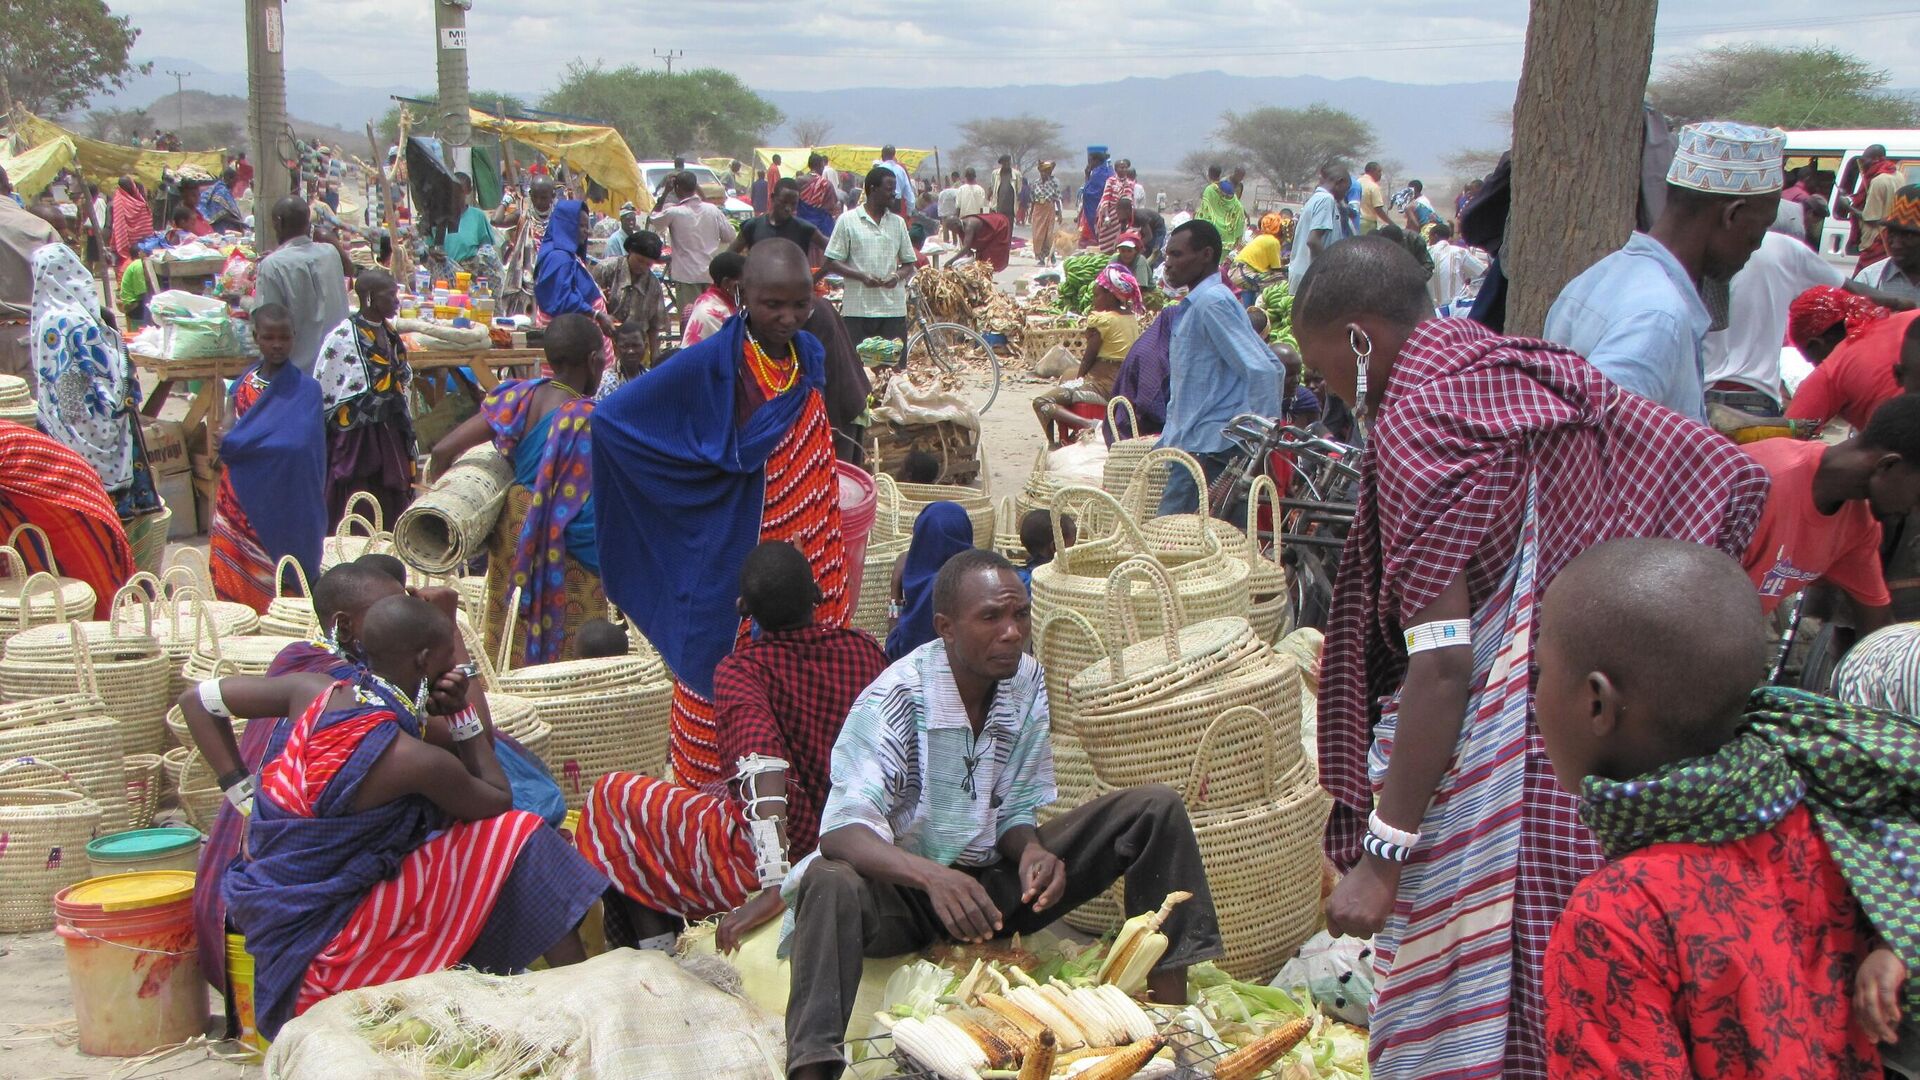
(774, 377)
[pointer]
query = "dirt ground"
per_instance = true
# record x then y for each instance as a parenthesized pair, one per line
(37, 1029)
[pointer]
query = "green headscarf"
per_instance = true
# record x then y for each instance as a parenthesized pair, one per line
(1858, 771)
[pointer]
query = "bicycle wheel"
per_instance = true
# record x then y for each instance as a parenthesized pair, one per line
(959, 354)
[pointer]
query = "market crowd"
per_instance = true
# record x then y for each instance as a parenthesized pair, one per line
(1585, 833)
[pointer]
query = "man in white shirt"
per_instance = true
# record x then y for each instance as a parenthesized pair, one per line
(871, 251)
(1743, 361)
(1457, 270)
(947, 206)
(697, 230)
(1898, 275)
(971, 199)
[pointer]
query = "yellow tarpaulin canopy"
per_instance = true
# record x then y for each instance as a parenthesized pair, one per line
(855, 159)
(34, 168)
(597, 151)
(103, 162)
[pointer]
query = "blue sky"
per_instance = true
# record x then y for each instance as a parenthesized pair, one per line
(522, 45)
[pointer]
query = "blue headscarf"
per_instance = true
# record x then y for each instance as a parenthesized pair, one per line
(561, 282)
(942, 531)
(276, 457)
(679, 487)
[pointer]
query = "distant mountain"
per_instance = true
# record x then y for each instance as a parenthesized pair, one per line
(1154, 121)
(224, 118)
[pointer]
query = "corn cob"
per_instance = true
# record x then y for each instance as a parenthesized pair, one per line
(1123, 1063)
(1039, 1063)
(1259, 1055)
(1089, 1022)
(998, 1053)
(923, 1044)
(1139, 946)
(1066, 1032)
(999, 1027)
(1138, 1024)
(1030, 1026)
(963, 1048)
(1119, 1033)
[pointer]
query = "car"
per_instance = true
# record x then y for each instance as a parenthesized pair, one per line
(655, 173)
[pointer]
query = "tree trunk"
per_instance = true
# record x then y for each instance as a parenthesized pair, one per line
(1576, 149)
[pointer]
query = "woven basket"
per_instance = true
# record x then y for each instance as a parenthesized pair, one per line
(1125, 455)
(215, 659)
(25, 602)
(520, 718)
(175, 760)
(144, 779)
(47, 830)
(1038, 492)
(73, 733)
(189, 572)
(147, 535)
(876, 582)
(199, 791)
(1036, 343)
(290, 615)
(449, 525)
(1209, 583)
(179, 618)
(1006, 530)
(16, 401)
(1141, 711)
(1263, 868)
(177, 727)
(126, 671)
(899, 505)
(356, 535)
(1267, 581)
(473, 600)
(1074, 779)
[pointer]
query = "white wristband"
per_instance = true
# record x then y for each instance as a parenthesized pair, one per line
(211, 700)
(241, 795)
(1386, 832)
(1439, 635)
(466, 725)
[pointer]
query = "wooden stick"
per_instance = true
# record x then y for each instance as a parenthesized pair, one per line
(402, 260)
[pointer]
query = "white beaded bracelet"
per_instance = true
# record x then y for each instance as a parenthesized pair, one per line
(466, 725)
(1386, 832)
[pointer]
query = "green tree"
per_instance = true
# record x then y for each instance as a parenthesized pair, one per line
(1288, 146)
(55, 54)
(1025, 138)
(1814, 86)
(426, 118)
(705, 111)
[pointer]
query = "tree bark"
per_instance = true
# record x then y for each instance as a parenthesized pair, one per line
(1576, 150)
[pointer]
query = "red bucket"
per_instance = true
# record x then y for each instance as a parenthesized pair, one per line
(859, 504)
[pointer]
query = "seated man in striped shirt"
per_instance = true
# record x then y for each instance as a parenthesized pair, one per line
(677, 853)
(917, 849)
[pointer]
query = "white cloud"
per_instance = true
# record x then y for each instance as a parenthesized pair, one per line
(523, 45)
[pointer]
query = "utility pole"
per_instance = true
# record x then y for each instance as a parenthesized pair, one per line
(450, 47)
(669, 57)
(267, 113)
(179, 99)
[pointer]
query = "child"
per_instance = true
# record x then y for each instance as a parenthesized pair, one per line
(1111, 330)
(600, 638)
(1823, 512)
(1036, 535)
(629, 358)
(1746, 828)
(921, 468)
(181, 231)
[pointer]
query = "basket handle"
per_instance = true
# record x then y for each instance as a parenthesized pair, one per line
(358, 497)
(83, 663)
(344, 530)
(1043, 649)
(35, 580)
(183, 561)
(133, 592)
(1067, 497)
(505, 663)
(1193, 791)
(299, 576)
(1263, 484)
(1113, 415)
(28, 761)
(45, 545)
(1120, 610)
(1136, 493)
(886, 496)
(16, 566)
(477, 650)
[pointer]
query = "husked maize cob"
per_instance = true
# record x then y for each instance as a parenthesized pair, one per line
(1124, 1062)
(1138, 1024)
(919, 1041)
(1139, 946)
(1030, 1025)
(1039, 1063)
(1259, 1055)
(999, 1055)
(1068, 1033)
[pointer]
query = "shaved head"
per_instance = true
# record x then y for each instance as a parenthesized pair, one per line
(778, 260)
(777, 291)
(402, 625)
(1648, 651)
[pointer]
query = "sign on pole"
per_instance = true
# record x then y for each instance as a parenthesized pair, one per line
(453, 37)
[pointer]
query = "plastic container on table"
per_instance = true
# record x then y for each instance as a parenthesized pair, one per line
(131, 961)
(859, 504)
(168, 848)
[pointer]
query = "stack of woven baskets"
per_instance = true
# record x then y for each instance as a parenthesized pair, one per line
(29, 599)
(290, 614)
(1125, 456)
(179, 617)
(121, 665)
(357, 534)
(47, 816)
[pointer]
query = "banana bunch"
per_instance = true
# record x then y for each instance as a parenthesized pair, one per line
(1139, 946)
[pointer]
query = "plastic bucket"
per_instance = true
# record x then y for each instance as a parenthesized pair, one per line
(240, 992)
(859, 503)
(175, 848)
(131, 961)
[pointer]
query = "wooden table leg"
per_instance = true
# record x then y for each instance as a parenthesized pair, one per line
(157, 400)
(483, 373)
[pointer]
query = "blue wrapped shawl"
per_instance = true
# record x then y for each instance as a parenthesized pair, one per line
(276, 457)
(562, 284)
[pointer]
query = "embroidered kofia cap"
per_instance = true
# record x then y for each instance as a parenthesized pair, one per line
(1724, 158)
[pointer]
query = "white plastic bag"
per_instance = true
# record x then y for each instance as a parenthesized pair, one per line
(1056, 362)
(1081, 463)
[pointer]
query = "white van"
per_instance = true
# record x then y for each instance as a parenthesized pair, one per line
(1837, 153)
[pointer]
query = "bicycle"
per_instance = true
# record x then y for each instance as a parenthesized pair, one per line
(947, 348)
(1316, 507)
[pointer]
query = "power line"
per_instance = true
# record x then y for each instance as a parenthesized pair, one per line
(179, 99)
(669, 56)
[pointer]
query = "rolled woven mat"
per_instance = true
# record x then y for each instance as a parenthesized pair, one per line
(450, 525)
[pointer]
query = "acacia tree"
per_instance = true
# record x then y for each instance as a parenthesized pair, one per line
(809, 130)
(1814, 86)
(1025, 138)
(55, 54)
(661, 115)
(1287, 147)
(1578, 127)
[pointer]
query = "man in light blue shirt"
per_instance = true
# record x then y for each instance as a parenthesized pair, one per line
(1322, 221)
(1221, 368)
(1637, 314)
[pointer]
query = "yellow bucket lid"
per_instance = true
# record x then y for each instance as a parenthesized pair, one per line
(125, 892)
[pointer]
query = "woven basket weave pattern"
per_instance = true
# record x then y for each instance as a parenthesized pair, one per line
(47, 828)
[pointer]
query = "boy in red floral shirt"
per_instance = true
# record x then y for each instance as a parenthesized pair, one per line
(1757, 906)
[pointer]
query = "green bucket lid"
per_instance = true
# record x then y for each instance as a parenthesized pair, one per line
(136, 844)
